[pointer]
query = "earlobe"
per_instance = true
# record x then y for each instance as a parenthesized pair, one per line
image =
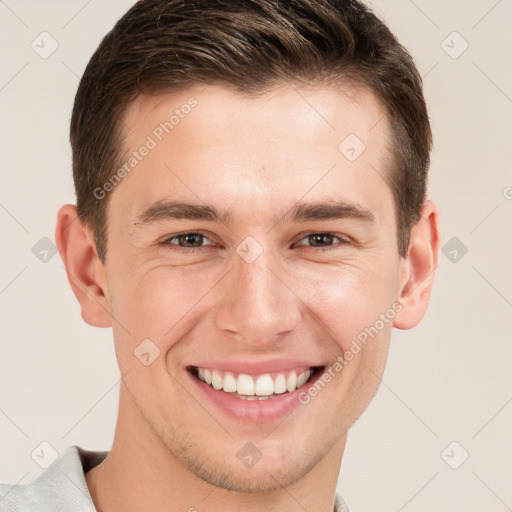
(84, 270)
(418, 268)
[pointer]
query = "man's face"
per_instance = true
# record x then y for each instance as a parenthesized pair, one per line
(263, 286)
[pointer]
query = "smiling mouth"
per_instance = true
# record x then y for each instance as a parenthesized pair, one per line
(256, 387)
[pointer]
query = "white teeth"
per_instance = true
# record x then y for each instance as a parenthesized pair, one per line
(264, 385)
(217, 380)
(252, 397)
(229, 383)
(291, 381)
(279, 384)
(245, 386)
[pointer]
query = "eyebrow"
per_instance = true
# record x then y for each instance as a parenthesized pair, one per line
(301, 212)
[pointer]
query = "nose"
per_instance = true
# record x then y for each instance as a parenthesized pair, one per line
(256, 304)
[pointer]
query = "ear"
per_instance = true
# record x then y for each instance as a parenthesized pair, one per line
(418, 268)
(86, 273)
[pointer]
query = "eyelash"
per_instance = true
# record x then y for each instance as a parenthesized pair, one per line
(175, 247)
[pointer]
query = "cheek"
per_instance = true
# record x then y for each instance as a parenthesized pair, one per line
(160, 302)
(350, 300)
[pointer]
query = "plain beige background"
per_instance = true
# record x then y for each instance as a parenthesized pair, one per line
(447, 390)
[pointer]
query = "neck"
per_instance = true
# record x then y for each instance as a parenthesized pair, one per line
(140, 473)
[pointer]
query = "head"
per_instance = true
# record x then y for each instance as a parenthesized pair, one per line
(291, 141)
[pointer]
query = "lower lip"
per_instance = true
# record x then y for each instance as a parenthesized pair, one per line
(254, 411)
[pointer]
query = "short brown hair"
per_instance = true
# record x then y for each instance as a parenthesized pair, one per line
(166, 45)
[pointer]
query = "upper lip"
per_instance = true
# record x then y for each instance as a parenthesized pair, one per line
(255, 367)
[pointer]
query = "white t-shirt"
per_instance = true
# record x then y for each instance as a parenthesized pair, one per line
(62, 487)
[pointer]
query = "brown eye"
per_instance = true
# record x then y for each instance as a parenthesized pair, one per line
(187, 240)
(321, 240)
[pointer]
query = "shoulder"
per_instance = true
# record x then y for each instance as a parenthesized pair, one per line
(62, 486)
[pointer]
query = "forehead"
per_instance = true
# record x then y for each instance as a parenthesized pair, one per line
(317, 114)
(213, 141)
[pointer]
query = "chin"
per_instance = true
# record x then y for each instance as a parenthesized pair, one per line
(273, 471)
(249, 480)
